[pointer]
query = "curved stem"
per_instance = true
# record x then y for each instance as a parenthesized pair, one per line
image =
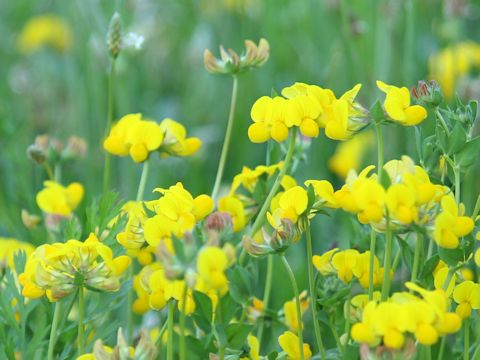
(297, 303)
(371, 267)
(54, 330)
(416, 257)
(143, 180)
(171, 311)
(476, 209)
(81, 316)
(110, 111)
(266, 296)
(313, 293)
(387, 262)
(183, 353)
(456, 172)
(226, 141)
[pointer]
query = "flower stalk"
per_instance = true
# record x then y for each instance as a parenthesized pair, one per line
(54, 330)
(81, 317)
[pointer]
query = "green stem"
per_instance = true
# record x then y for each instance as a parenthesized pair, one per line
(416, 256)
(313, 293)
(297, 303)
(57, 173)
(160, 336)
(81, 317)
(54, 330)
(371, 267)
(387, 263)
(143, 180)
(171, 311)
(430, 248)
(476, 209)
(183, 353)
(110, 115)
(347, 319)
(49, 171)
(335, 334)
(221, 353)
(450, 273)
(442, 120)
(456, 173)
(466, 342)
(226, 141)
(378, 130)
(442, 347)
(428, 352)
(266, 296)
(409, 41)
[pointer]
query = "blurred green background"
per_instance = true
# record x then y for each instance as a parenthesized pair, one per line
(332, 43)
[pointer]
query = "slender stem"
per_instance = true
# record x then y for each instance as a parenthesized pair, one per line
(442, 347)
(396, 260)
(110, 115)
(442, 120)
(335, 334)
(371, 268)
(221, 353)
(456, 173)
(297, 303)
(347, 319)
(416, 256)
(171, 311)
(288, 158)
(466, 341)
(387, 262)
(49, 171)
(57, 173)
(143, 180)
(446, 283)
(378, 130)
(81, 316)
(428, 352)
(476, 209)
(160, 336)
(183, 353)
(228, 136)
(313, 293)
(54, 329)
(430, 248)
(409, 43)
(266, 296)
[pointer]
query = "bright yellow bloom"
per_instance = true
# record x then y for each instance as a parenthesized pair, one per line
(290, 312)
(268, 115)
(361, 270)
(9, 248)
(450, 224)
(175, 141)
(248, 178)
(324, 192)
(291, 204)
(211, 265)
(289, 343)
(397, 105)
(370, 199)
(254, 347)
(176, 213)
(401, 203)
(440, 277)
(57, 270)
(344, 262)
(47, 30)
(467, 296)
(59, 200)
(323, 263)
(236, 209)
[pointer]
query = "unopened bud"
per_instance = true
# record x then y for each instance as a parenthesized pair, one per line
(428, 93)
(219, 221)
(114, 36)
(76, 148)
(30, 221)
(36, 154)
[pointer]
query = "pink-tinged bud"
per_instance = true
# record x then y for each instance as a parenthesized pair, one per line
(30, 221)
(428, 93)
(76, 148)
(219, 221)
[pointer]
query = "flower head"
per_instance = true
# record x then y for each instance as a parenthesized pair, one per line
(59, 200)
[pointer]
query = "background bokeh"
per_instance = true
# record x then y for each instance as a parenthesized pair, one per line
(332, 43)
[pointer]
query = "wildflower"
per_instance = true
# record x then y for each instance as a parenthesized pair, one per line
(58, 269)
(397, 105)
(400, 201)
(131, 238)
(231, 63)
(289, 343)
(323, 263)
(440, 277)
(268, 115)
(344, 262)
(211, 265)
(370, 199)
(291, 205)
(467, 296)
(254, 345)
(450, 224)
(233, 206)
(290, 312)
(47, 30)
(324, 193)
(59, 200)
(175, 141)
(361, 270)
(9, 248)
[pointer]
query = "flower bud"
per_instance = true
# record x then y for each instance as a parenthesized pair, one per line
(36, 154)
(76, 148)
(114, 35)
(219, 221)
(428, 93)
(30, 221)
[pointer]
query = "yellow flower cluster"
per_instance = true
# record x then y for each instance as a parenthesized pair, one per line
(467, 296)
(426, 318)
(59, 269)
(309, 108)
(57, 199)
(132, 135)
(176, 212)
(9, 248)
(349, 264)
(47, 30)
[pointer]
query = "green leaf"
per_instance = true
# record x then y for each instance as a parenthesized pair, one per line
(466, 157)
(456, 140)
(442, 139)
(451, 256)
(385, 180)
(429, 266)
(376, 112)
(195, 348)
(240, 285)
(203, 311)
(225, 310)
(237, 334)
(407, 253)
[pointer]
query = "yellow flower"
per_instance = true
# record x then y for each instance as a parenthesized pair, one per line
(133, 136)
(290, 312)
(9, 248)
(467, 296)
(323, 263)
(344, 262)
(291, 204)
(370, 199)
(176, 142)
(254, 347)
(57, 270)
(289, 343)
(401, 203)
(42, 31)
(211, 265)
(348, 154)
(59, 200)
(439, 278)
(235, 208)
(450, 224)
(132, 236)
(361, 270)
(324, 192)
(176, 213)
(268, 115)
(397, 105)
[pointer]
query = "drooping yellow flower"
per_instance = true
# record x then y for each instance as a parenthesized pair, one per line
(370, 199)
(47, 30)
(57, 270)
(401, 203)
(450, 224)
(175, 141)
(291, 204)
(467, 296)
(290, 312)
(398, 107)
(361, 270)
(289, 343)
(59, 200)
